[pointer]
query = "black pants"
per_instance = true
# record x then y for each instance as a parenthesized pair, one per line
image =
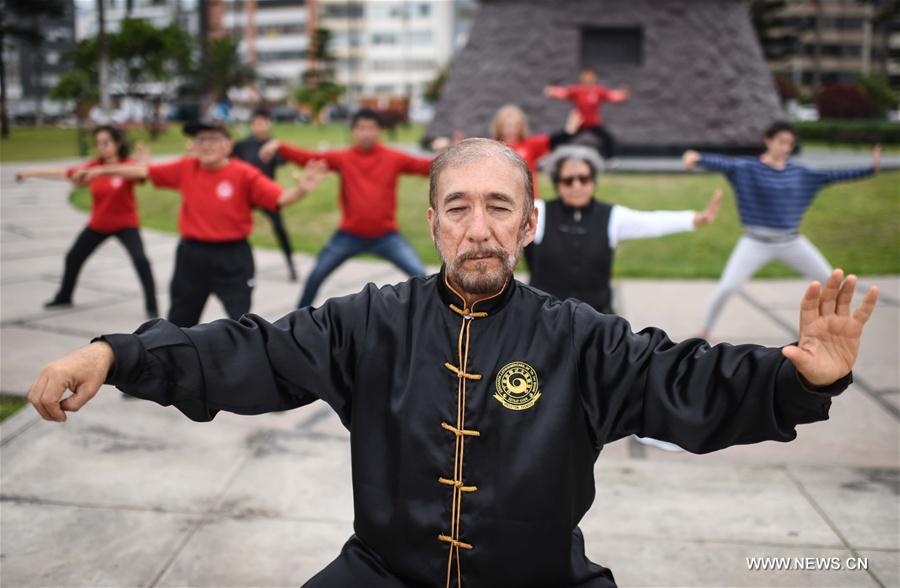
(201, 268)
(87, 242)
(284, 241)
(607, 142)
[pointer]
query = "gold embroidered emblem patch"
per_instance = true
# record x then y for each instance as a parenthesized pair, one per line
(517, 386)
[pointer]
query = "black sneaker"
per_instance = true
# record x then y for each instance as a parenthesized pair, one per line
(292, 273)
(57, 304)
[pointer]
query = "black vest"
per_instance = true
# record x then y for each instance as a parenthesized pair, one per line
(574, 259)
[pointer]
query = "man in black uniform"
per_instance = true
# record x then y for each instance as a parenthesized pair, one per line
(477, 405)
(247, 149)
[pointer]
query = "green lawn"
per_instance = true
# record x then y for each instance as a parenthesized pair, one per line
(856, 225)
(48, 143)
(10, 405)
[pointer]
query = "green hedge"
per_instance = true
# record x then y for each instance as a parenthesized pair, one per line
(849, 131)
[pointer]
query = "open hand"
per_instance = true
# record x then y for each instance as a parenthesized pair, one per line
(709, 214)
(573, 121)
(829, 334)
(690, 158)
(268, 151)
(313, 173)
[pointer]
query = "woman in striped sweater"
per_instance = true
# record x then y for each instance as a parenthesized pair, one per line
(772, 195)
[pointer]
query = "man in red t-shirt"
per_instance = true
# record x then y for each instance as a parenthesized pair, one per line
(218, 196)
(368, 199)
(587, 97)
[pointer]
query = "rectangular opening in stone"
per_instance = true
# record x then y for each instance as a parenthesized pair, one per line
(601, 46)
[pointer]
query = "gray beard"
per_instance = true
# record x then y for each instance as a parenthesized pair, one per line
(482, 280)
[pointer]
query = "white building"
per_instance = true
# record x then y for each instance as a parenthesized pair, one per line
(393, 48)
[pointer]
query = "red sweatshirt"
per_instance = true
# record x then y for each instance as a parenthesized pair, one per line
(588, 101)
(368, 195)
(216, 204)
(112, 200)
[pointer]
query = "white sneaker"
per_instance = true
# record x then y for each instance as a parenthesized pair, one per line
(664, 445)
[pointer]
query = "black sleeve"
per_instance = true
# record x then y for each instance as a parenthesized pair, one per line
(699, 397)
(248, 366)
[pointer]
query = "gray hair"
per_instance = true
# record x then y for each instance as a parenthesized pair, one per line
(554, 161)
(471, 150)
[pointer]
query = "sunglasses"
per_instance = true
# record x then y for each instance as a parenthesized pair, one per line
(569, 180)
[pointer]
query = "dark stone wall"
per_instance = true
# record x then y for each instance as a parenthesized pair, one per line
(703, 81)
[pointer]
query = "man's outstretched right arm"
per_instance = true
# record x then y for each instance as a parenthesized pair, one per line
(249, 366)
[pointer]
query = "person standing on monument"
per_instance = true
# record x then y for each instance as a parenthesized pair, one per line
(588, 97)
(773, 193)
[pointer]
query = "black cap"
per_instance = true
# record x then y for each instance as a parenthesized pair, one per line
(205, 124)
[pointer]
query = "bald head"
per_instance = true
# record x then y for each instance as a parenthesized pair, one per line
(470, 151)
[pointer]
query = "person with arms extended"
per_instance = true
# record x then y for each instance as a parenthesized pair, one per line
(113, 214)
(218, 194)
(247, 149)
(773, 193)
(477, 405)
(588, 97)
(577, 234)
(368, 199)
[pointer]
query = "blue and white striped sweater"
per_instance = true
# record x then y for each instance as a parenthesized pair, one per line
(773, 198)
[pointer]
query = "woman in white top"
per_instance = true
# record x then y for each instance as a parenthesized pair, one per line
(577, 234)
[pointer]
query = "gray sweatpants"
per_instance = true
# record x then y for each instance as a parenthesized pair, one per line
(751, 254)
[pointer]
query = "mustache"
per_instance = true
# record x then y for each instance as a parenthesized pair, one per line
(497, 252)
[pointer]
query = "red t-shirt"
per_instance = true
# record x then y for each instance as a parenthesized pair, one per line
(531, 149)
(588, 101)
(112, 200)
(368, 197)
(216, 204)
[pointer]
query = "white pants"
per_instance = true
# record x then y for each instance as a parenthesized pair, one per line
(750, 254)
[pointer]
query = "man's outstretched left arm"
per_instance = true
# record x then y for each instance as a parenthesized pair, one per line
(707, 398)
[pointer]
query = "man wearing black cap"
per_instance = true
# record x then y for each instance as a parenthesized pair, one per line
(218, 194)
(247, 149)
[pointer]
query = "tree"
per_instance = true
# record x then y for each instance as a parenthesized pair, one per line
(80, 84)
(317, 88)
(20, 19)
(150, 61)
(222, 69)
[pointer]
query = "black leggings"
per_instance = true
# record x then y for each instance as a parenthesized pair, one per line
(607, 145)
(87, 242)
(284, 241)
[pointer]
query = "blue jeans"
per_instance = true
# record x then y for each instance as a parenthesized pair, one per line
(342, 246)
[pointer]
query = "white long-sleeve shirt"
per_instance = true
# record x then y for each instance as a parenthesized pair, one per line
(627, 223)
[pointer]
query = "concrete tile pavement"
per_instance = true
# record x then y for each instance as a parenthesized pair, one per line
(131, 494)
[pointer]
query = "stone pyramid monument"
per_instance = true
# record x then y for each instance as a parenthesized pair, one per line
(694, 67)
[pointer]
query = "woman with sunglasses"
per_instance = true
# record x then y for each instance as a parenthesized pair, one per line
(577, 234)
(113, 214)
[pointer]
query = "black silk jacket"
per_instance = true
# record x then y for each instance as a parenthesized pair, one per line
(474, 431)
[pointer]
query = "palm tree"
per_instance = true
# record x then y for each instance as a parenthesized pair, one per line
(222, 69)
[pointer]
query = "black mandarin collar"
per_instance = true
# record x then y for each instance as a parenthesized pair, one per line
(486, 306)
